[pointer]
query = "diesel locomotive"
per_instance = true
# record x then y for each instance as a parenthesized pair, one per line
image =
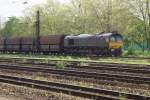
(105, 44)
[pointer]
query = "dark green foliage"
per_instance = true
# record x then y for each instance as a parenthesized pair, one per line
(14, 27)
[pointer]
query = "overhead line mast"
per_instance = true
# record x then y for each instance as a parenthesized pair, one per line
(37, 33)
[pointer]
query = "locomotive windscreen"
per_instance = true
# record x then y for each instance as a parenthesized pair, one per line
(119, 39)
(116, 38)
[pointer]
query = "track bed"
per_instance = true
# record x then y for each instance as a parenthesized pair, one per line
(43, 68)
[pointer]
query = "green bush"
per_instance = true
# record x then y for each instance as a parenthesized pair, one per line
(130, 51)
(61, 64)
(133, 52)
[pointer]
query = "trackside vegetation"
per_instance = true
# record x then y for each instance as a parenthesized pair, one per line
(64, 58)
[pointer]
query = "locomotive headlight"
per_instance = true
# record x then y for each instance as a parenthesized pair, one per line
(107, 40)
(112, 50)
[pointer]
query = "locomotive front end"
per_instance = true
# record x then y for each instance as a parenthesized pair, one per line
(116, 44)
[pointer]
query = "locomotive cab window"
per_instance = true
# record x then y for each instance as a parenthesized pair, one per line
(118, 38)
(112, 39)
(71, 41)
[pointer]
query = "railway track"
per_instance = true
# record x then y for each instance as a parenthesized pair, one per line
(143, 69)
(93, 57)
(92, 93)
(108, 67)
(93, 63)
(83, 74)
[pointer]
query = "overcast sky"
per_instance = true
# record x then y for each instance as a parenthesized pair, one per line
(15, 7)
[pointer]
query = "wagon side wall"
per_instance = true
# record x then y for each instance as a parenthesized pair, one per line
(12, 44)
(53, 43)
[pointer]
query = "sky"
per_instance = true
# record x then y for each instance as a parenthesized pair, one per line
(15, 7)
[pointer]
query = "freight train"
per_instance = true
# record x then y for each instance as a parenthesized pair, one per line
(105, 44)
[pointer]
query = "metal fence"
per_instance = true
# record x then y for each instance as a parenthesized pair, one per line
(135, 46)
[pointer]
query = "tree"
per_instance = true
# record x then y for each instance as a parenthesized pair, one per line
(129, 17)
(141, 10)
(14, 27)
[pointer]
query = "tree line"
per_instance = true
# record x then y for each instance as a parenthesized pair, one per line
(129, 17)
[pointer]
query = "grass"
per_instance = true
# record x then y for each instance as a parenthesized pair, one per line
(136, 53)
(61, 64)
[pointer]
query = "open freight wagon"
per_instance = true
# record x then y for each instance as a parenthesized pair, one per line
(51, 43)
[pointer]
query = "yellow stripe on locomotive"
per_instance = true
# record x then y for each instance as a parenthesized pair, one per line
(115, 45)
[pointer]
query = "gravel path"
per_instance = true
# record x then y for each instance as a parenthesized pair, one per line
(123, 87)
(12, 92)
(8, 98)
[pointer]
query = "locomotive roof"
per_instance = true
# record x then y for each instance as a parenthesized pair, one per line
(106, 34)
(109, 34)
(85, 35)
(90, 35)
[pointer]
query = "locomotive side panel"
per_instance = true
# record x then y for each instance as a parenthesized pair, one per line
(85, 44)
(90, 41)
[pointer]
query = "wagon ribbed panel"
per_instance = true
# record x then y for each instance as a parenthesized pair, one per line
(52, 42)
(53, 39)
(27, 40)
(15, 41)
